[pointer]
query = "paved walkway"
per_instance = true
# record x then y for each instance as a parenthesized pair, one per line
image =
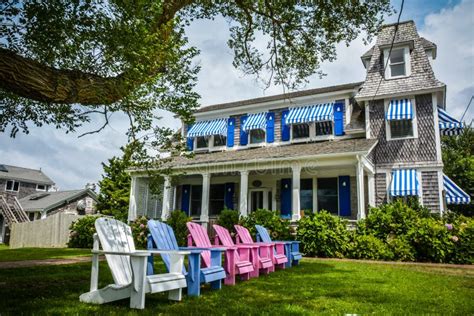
(43, 262)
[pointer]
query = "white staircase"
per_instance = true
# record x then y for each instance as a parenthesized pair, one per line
(12, 213)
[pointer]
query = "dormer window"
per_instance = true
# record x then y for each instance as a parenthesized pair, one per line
(202, 142)
(219, 140)
(208, 135)
(300, 131)
(257, 136)
(312, 122)
(398, 63)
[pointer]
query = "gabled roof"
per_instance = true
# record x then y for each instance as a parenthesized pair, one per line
(426, 44)
(422, 77)
(278, 97)
(46, 201)
(24, 174)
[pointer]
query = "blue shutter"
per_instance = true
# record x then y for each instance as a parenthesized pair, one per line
(189, 140)
(339, 119)
(344, 196)
(285, 198)
(243, 135)
(229, 196)
(185, 196)
(230, 132)
(270, 127)
(285, 128)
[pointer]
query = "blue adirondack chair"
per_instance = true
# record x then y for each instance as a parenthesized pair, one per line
(162, 238)
(292, 248)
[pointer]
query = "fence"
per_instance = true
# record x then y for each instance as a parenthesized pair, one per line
(52, 231)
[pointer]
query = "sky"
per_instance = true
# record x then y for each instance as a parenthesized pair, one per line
(72, 162)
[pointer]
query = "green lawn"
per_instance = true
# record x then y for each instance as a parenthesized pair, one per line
(316, 286)
(21, 254)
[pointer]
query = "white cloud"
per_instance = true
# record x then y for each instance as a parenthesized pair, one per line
(452, 30)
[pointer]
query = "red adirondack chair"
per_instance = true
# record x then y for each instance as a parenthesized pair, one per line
(237, 260)
(260, 256)
(278, 254)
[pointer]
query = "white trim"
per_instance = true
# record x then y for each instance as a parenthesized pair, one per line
(367, 119)
(434, 100)
(440, 191)
(278, 104)
(315, 194)
(420, 183)
(401, 94)
(414, 122)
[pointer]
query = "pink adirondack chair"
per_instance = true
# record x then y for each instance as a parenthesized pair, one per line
(236, 259)
(260, 256)
(278, 254)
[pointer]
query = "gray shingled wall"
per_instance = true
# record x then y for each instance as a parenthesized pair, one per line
(430, 190)
(380, 188)
(419, 149)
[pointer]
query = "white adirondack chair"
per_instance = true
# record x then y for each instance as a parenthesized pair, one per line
(128, 267)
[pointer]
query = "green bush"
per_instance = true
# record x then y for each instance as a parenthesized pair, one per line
(177, 220)
(323, 235)
(463, 240)
(431, 240)
(278, 228)
(401, 248)
(369, 247)
(140, 232)
(82, 232)
(228, 218)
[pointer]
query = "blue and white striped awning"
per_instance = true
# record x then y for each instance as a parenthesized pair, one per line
(255, 121)
(208, 128)
(399, 110)
(310, 113)
(404, 182)
(448, 125)
(454, 194)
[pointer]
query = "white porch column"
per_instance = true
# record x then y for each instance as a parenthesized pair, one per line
(360, 190)
(206, 183)
(166, 198)
(132, 207)
(295, 201)
(244, 187)
(371, 188)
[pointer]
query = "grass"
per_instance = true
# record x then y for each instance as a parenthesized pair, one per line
(21, 254)
(315, 286)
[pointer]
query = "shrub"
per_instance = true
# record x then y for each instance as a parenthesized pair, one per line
(278, 228)
(369, 247)
(228, 218)
(461, 229)
(140, 232)
(323, 235)
(431, 240)
(401, 248)
(177, 220)
(82, 232)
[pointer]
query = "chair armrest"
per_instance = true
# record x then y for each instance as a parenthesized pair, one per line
(122, 253)
(249, 246)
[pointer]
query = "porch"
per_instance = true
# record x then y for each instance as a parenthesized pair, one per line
(341, 183)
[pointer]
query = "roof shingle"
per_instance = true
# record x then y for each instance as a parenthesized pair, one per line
(24, 174)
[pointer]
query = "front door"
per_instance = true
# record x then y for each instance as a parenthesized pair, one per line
(258, 199)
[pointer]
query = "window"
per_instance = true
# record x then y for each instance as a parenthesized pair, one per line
(196, 196)
(202, 142)
(306, 194)
(13, 185)
(257, 136)
(300, 131)
(328, 195)
(399, 62)
(216, 199)
(401, 128)
(41, 187)
(323, 128)
(219, 140)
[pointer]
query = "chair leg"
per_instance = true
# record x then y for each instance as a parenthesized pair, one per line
(193, 278)
(245, 276)
(216, 285)
(229, 279)
(175, 295)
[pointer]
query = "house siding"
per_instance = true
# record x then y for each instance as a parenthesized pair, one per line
(421, 149)
(26, 189)
(430, 188)
(380, 188)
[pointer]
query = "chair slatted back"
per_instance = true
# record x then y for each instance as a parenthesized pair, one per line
(244, 234)
(201, 239)
(224, 236)
(262, 231)
(116, 236)
(164, 238)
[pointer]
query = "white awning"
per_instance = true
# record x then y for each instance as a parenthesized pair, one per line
(255, 121)
(454, 194)
(404, 182)
(311, 113)
(399, 110)
(208, 128)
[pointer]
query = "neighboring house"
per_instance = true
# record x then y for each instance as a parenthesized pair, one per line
(340, 148)
(41, 205)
